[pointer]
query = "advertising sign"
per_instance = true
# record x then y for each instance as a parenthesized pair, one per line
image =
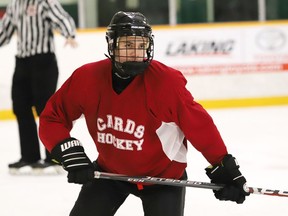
(225, 50)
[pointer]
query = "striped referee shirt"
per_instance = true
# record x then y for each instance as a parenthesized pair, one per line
(34, 21)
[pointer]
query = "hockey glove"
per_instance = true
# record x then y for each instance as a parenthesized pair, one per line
(228, 173)
(70, 153)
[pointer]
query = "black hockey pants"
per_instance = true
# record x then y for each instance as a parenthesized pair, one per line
(103, 198)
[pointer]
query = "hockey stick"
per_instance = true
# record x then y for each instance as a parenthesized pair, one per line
(182, 183)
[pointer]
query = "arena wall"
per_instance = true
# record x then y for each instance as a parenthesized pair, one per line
(226, 65)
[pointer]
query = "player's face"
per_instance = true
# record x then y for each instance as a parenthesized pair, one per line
(131, 48)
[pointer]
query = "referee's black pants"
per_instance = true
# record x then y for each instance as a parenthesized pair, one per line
(34, 81)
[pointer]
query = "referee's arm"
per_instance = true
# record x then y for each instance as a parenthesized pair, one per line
(6, 27)
(63, 21)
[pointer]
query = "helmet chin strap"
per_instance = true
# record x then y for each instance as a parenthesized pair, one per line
(129, 69)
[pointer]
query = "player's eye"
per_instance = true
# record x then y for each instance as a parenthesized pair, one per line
(128, 45)
(143, 46)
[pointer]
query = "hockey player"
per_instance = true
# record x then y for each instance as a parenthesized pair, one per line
(140, 116)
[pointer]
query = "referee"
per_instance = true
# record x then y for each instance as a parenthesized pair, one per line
(36, 72)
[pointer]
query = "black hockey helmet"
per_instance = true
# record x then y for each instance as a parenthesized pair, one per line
(129, 24)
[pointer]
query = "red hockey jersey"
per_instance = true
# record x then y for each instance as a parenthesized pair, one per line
(141, 131)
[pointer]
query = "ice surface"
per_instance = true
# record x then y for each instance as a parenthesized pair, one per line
(258, 137)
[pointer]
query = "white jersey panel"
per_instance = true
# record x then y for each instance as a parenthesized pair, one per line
(171, 138)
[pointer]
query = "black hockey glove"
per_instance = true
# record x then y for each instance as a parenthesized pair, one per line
(71, 155)
(228, 173)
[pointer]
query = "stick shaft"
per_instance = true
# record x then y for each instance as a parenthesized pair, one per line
(264, 191)
(182, 183)
(156, 180)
